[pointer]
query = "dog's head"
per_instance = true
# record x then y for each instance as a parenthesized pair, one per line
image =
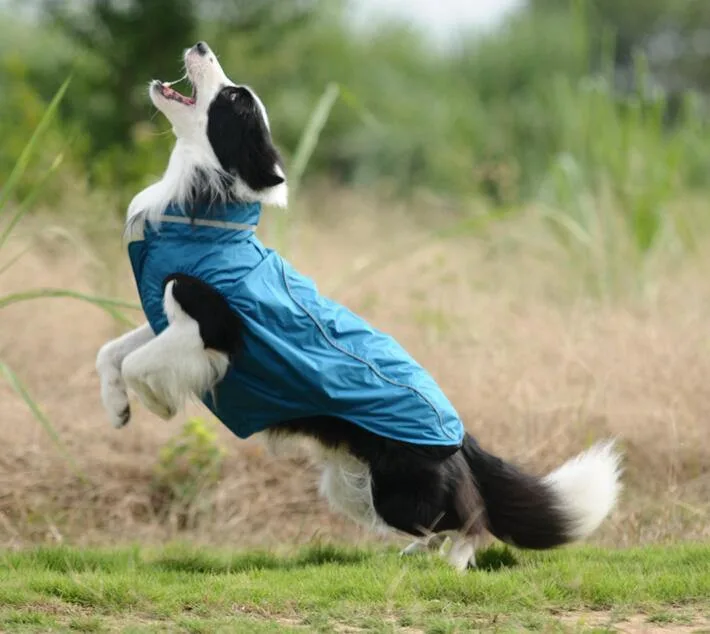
(224, 147)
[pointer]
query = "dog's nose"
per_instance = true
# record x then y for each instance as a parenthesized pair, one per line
(201, 48)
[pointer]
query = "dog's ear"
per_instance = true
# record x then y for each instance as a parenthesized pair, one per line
(259, 162)
(240, 138)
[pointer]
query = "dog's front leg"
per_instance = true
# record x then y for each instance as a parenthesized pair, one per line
(174, 365)
(108, 365)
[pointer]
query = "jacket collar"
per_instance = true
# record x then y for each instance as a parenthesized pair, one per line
(228, 222)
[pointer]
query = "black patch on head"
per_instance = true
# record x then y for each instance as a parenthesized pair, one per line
(240, 139)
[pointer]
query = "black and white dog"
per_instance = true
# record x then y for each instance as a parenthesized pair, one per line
(224, 152)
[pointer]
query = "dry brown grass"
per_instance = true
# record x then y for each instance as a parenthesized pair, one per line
(536, 369)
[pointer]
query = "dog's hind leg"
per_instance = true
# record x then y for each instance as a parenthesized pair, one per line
(428, 544)
(347, 485)
(108, 365)
(462, 554)
(424, 496)
(190, 356)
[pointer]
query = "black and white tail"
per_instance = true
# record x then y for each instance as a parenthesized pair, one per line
(564, 506)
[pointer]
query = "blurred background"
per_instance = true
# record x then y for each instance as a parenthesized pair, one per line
(516, 190)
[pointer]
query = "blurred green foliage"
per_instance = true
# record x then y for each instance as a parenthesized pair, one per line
(674, 33)
(188, 469)
(496, 116)
(125, 40)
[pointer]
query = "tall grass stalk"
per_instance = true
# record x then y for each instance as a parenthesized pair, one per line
(19, 388)
(110, 306)
(311, 133)
(304, 150)
(24, 159)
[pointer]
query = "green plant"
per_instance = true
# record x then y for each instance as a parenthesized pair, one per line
(606, 197)
(188, 468)
(19, 210)
(306, 146)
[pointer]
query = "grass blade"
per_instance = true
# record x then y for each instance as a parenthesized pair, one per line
(22, 392)
(311, 134)
(304, 151)
(111, 306)
(29, 200)
(23, 161)
(60, 292)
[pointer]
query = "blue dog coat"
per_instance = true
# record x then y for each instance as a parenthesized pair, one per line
(304, 355)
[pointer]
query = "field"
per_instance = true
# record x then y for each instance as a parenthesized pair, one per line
(534, 234)
(328, 589)
(537, 369)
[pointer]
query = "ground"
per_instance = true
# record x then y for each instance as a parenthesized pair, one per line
(324, 588)
(537, 367)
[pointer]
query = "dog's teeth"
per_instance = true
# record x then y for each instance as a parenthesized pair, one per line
(170, 83)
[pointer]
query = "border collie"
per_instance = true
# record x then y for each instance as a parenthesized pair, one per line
(233, 324)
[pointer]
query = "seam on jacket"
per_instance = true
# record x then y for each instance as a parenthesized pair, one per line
(372, 368)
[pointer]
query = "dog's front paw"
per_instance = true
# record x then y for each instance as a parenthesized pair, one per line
(115, 400)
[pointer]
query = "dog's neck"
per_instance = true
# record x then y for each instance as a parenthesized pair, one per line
(194, 176)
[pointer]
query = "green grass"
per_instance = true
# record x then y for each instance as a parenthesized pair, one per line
(327, 588)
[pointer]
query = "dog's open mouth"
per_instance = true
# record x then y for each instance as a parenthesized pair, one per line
(167, 91)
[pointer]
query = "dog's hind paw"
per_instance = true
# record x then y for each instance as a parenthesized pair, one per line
(166, 412)
(152, 401)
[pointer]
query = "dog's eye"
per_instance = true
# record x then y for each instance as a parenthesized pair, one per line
(232, 96)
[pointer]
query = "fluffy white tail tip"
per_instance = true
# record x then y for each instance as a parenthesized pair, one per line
(587, 488)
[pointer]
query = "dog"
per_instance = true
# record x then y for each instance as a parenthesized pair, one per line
(278, 360)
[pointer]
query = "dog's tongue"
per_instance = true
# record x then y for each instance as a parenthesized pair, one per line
(172, 92)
